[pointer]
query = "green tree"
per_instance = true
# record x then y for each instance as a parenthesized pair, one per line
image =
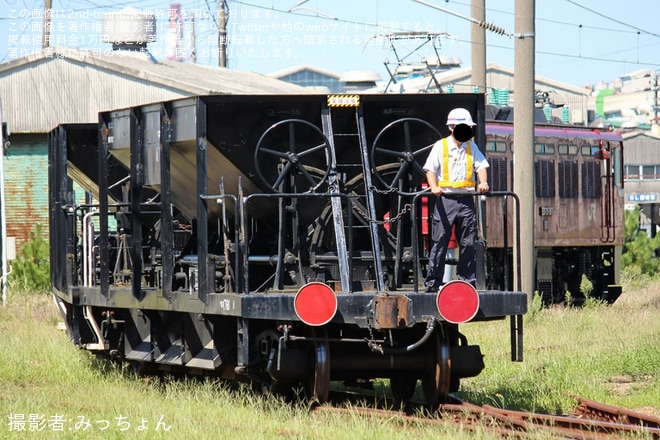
(639, 248)
(31, 269)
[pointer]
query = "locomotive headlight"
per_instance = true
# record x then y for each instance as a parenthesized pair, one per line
(458, 302)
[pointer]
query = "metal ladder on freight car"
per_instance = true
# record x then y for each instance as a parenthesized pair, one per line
(334, 188)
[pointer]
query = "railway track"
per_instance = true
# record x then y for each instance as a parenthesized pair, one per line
(588, 420)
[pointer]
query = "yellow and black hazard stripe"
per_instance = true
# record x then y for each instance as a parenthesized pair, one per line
(343, 100)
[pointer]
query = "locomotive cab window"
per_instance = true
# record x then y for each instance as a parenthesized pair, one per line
(589, 150)
(496, 146)
(543, 148)
(567, 149)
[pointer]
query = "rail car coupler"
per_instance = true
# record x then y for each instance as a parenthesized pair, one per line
(392, 311)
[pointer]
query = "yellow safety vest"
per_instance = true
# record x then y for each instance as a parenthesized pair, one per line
(446, 183)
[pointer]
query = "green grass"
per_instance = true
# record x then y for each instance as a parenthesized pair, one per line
(605, 353)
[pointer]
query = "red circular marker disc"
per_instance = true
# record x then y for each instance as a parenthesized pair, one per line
(458, 302)
(315, 304)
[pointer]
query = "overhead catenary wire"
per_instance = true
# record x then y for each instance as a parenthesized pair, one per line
(593, 11)
(630, 28)
(77, 5)
(488, 26)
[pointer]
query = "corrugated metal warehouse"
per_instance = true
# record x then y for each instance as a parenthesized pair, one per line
(62, 85)
(642, 163)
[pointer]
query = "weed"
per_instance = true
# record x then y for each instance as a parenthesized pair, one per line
(586, 287)
(534, 309)
(31, 269)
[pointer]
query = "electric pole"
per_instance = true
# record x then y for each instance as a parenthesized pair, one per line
(222, 33)
(478, 44)
(523, 133)
(3, 212)
(193, 48)
(48, 7)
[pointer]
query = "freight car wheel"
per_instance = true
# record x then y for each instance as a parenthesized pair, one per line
(399, 143)
(282, 160)
(319, 380)
(402, 388)
(436, 380)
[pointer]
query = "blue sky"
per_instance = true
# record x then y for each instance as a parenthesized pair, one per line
(579, 42)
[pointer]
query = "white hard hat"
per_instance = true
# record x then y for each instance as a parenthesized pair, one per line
(459, 116)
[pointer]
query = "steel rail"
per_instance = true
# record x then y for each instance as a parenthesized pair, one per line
(588, 420)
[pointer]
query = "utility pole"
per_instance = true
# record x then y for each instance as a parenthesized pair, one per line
(3, 213)
(48, 7)
(193, 48)
(656, 121)
(222, 33)
(523, 133)
(478, 44)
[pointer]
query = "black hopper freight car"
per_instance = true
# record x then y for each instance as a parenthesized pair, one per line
(281, 240)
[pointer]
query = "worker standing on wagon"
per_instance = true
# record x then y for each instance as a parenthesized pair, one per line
(450, 168)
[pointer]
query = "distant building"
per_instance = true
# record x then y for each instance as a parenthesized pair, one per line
(326, 81)
(355, 81)
(642, 173)
(642, 167)
(311, 77)
(630, 101)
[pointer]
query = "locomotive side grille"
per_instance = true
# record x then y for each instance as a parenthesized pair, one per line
(590, 180)
(498, 174)
(568, 179)
(544, 170)
(545, 289)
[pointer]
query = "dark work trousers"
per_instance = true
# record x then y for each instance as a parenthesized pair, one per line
(450, 211)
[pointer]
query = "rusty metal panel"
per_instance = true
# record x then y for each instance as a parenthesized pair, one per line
(26, 186)
(392, 311)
